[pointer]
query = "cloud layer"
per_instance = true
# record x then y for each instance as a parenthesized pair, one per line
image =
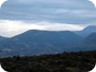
(11, 28)
(17, 16)
(57, 11)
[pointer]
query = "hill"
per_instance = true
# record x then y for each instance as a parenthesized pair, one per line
(90, 40)
(87, 31)
(88, 43)
(2, 38)
(64, 62)
(36, 42)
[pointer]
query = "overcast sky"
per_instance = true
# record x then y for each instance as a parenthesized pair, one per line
(17, 16)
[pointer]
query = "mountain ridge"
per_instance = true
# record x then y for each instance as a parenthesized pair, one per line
(86, 31)
(36, 42)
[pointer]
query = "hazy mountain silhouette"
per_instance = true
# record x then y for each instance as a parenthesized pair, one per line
(40, 42)
(87, 31)
(2, 38)
(88, 43)
(43, 38)
(34, 42)
(91, 40)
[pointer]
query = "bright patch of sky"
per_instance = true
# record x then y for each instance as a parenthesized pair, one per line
(11, 28)
(17, 16)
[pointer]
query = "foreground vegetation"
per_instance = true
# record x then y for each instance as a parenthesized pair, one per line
(65, 62)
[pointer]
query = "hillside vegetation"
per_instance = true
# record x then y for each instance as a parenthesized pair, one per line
(65, 62)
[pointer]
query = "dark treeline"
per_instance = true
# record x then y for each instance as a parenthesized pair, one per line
(65, 62)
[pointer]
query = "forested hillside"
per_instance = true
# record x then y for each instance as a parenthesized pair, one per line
(65, 62)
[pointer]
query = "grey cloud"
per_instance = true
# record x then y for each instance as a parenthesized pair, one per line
(57, 11)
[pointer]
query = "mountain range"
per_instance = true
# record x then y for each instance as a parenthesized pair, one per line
(37, 42)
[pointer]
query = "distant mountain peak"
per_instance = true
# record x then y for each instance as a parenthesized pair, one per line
(86, 31)
(91, 28)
